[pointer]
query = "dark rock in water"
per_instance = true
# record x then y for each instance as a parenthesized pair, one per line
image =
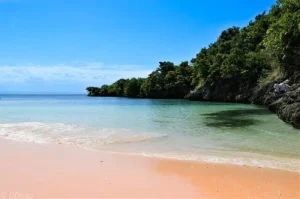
(263, 95)
(290, 114)
(286, 106)
(195, 95)
(224, 93)
(202, 94)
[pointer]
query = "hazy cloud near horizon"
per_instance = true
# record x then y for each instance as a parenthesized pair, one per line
(48, 78)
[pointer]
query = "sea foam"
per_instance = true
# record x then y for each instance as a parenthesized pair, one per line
(72, 134)
(98, 138)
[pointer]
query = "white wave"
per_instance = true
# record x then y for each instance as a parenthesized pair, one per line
(95, 138)
(258, 161)
(71, 134)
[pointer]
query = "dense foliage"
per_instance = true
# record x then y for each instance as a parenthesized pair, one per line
(238, 59)
(168, 81)
(283, 36)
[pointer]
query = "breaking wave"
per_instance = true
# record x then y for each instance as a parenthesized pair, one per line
(95, 138)
(60, 133)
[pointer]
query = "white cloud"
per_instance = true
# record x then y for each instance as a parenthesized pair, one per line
(76, 72)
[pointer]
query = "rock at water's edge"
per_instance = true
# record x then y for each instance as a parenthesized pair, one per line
(286, 106)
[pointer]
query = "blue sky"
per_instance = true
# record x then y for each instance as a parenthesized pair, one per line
(62, 46)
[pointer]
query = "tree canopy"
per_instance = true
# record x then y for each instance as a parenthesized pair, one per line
(239, 58)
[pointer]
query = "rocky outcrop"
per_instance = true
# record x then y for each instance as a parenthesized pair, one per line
(225, 93)
(286, 106)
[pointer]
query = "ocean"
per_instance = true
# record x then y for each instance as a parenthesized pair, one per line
(240, 134)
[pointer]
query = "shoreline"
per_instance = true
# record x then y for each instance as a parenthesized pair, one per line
(49, 170)
(280, 106)
(173, 158)
(209, 159)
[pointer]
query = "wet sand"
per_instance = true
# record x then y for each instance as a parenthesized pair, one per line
(59, 171)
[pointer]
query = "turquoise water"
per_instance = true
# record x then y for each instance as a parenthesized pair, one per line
(215, 132)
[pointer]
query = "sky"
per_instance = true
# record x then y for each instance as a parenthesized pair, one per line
(63, 46)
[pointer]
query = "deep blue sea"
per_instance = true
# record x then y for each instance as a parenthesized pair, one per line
(180, 129)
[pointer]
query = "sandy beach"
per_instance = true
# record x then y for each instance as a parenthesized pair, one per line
(59, 171)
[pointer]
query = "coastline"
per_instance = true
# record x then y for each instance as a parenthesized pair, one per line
(49, 170)
(279, 106)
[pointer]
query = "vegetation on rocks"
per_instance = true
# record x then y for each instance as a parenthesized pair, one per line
(234, 68)
(239, 58)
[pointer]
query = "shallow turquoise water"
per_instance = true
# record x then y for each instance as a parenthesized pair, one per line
(215, 132)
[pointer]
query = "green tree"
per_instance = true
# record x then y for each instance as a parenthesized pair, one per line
(133, 87)
(93, 91)
(283, 37)
(235, 61)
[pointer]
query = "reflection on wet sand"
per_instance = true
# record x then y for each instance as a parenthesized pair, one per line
(230, 181)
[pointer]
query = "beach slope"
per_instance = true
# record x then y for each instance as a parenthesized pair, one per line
(58, 171)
